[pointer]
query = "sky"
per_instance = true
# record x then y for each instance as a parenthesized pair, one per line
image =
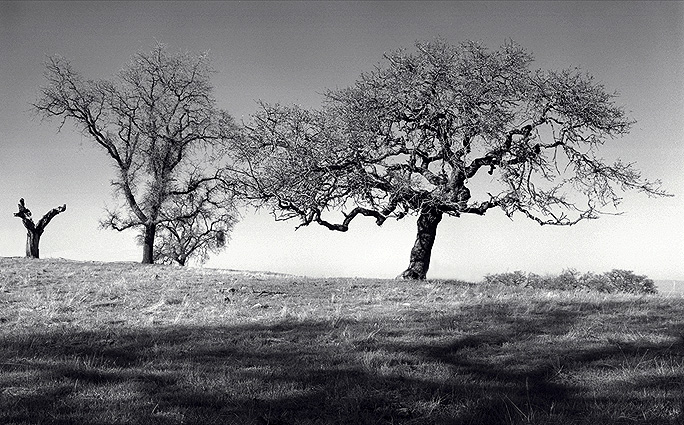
(289, 52)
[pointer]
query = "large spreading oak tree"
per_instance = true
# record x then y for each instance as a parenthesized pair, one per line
(443, 130)
(158, 122)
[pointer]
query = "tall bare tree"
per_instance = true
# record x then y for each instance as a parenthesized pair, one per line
(35, 231)
(158, 122)
(443, 130)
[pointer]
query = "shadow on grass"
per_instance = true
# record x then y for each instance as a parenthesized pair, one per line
(425, 369)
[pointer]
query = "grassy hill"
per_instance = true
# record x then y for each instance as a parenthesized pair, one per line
(123, 343)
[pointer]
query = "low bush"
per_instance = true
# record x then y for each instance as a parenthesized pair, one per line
(627, 281)
(613, 281)
(516, 278)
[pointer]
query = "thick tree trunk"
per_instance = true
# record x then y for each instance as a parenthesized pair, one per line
(148, 243)
(32, 243)
(419, 262)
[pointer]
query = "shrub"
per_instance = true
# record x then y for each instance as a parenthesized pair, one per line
(516, 278)
(570, 279)
(627, 281)
(595, 282)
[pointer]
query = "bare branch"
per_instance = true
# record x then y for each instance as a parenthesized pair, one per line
(43, 222)
(25, 215)
(344, 226)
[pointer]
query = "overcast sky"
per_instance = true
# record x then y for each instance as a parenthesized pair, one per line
(289, 52)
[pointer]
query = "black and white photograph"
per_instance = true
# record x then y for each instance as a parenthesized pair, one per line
(342, 212)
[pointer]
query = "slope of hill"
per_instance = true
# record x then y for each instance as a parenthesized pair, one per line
(113, 343)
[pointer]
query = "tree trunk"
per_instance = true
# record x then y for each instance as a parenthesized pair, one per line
(148, 243)
(419, 262)
(32, 243)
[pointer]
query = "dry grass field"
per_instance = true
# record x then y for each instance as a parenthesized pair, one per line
(123, 343)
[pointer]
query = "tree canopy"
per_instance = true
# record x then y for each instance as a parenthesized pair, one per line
(443, 130)
(158, 122)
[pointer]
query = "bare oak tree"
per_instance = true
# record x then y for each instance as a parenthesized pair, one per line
(35, 231)
(443, 130)
(158, 122)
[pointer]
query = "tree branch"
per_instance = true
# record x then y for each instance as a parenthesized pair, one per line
(49, 216)
(495, 156)
(379, 219)
(25, 215)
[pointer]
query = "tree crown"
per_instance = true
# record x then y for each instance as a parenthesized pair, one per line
(421, 129)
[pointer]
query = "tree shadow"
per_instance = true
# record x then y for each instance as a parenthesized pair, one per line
(428, 370)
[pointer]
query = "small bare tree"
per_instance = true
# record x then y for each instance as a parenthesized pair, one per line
(158, 122)
(35, 231)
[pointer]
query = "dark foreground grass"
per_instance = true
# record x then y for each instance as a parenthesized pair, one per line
(124, 343)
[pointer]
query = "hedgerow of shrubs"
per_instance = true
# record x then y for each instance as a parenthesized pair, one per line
(570, 279)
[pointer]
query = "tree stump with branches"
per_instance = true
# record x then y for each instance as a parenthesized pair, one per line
(34, 231)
